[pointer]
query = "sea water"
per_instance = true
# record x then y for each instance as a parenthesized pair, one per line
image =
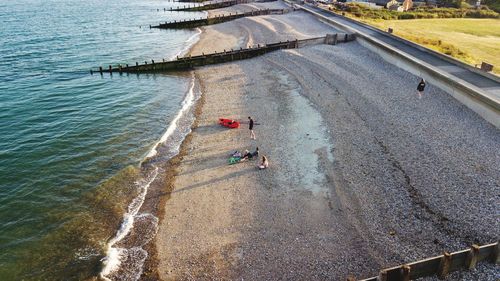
(71, 143)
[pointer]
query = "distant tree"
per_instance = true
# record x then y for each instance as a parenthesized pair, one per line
(453, 3)
(492, 4)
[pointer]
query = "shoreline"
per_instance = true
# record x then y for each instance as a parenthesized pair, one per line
(336, 181)
(150, 268)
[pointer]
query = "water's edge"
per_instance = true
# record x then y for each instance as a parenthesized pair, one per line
(137, 254)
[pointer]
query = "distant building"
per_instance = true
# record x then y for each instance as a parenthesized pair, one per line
(384, 2)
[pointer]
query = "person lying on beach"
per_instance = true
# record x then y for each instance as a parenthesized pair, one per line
(236, 154)
(264, 164)
(249, 155)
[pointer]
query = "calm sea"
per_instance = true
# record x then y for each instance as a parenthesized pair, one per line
(71, 143)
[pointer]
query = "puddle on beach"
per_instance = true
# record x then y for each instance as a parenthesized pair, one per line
(303, 130)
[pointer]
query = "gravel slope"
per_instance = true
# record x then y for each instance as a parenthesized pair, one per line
(363, 174)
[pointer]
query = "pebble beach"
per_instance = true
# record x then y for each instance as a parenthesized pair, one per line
(363, 174)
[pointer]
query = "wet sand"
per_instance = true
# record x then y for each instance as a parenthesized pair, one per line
(362, 174)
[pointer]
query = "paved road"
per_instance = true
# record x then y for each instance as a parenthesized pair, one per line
(489, 86)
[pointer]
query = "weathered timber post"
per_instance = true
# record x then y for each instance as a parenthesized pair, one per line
(110, 69)
(444, 265)
(163, 60)
(496, 254)
(120, 68)
(405, 273)
(382, 276)
(91, 72)
(145, 62)
(149, 26)
(100, 69)
(471, 260)
(335, 39)
(136, 64)
(126, 65)
(345, 37)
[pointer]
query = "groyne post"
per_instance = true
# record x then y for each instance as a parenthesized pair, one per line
(444, 265)
(382, 276)
(495, 256)
(471, 260)
(405, 273)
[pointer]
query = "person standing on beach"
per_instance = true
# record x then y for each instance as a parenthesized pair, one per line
(250, 127)
(420, 88)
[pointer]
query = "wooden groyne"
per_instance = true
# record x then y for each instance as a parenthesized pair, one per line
(222, 57)
(210, 6)
(439, 266)
(219, 19)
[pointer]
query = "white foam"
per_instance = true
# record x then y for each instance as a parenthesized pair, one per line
(186, 105)
(114, 255)
(189, 43)
(112, 260)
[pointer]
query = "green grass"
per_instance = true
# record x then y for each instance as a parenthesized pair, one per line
(362, 11)
(469, 40)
